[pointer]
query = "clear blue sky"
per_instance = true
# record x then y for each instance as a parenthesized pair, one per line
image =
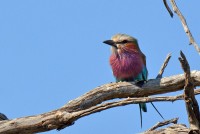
(51, 51)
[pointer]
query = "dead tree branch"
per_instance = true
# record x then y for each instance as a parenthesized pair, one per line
(128, 101)
(173, 129)
(189, 97)
(191, 106)
(185, 26)
(163, 123)
(164, 65)
(92, 102)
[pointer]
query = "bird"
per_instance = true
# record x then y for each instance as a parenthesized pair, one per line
(3, 117)
(127, 61)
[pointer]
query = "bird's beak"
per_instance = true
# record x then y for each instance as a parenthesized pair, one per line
(110, 42)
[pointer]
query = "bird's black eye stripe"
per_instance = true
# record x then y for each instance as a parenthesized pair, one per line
(122, 42)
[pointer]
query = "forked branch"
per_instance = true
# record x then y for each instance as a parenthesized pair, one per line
(189, 97)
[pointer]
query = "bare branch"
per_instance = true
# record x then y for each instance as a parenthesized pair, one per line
(185, 26)
(173, 129)
(164, 65)
(92, 102)
(190, 101)
(163, 123)
(128, 101)
(167, 7)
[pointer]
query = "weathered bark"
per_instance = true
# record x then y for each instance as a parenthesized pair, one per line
(166, 122)
(191, 103)
(173, 129)
(90, 103)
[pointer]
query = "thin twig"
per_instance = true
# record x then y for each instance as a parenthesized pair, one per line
(168, 9)
(189, 97)
(163, 123)
(185, 26)
(164, 65)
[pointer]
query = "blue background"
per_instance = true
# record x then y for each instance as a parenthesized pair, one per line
(51, 52)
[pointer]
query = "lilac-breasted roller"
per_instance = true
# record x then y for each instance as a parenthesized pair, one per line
(127, 61)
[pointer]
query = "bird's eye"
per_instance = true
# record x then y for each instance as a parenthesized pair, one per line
(124, 41)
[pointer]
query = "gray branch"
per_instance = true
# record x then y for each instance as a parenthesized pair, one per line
(92, 102)
(189, 97)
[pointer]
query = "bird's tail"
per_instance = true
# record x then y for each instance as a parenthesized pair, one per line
(157, 110)
(143, 108)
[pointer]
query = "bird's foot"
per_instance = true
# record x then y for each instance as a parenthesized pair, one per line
(140, 83)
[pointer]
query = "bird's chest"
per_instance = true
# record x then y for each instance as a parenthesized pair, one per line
(126, 65)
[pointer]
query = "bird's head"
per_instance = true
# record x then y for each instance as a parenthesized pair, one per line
(122, 43)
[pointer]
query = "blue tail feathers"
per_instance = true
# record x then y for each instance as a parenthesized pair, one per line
(143, 107)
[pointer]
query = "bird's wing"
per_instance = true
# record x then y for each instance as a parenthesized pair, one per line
(144, 71)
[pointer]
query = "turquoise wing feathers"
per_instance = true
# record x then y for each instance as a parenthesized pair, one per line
(142, 76)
